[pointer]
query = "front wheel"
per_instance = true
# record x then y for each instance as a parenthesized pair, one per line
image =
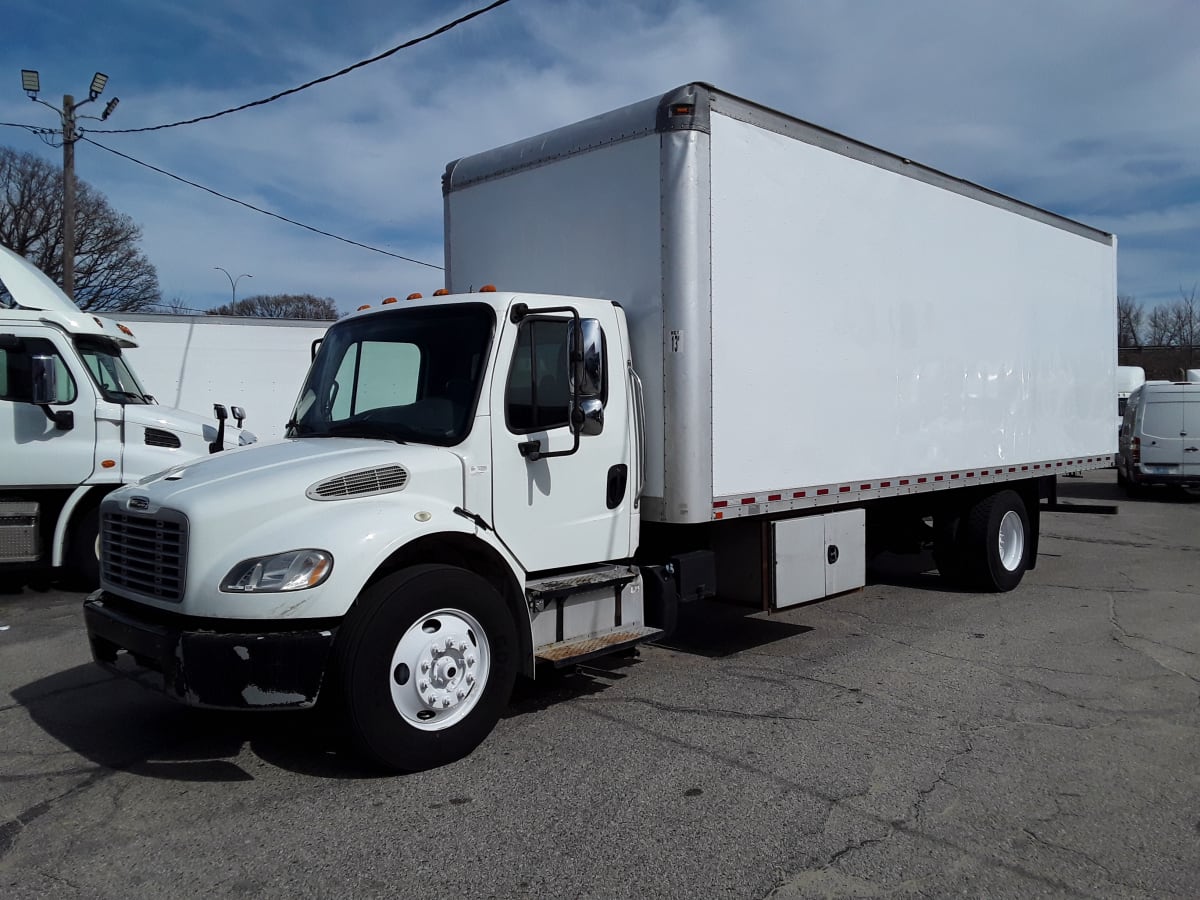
(997, 541)
(424, 666)
(83, 552)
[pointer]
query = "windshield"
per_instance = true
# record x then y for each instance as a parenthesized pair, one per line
(110, 371)
(410, 375)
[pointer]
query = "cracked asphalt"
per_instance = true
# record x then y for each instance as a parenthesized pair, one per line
(902, 741)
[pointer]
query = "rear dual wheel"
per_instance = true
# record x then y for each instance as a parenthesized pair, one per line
(988, 546)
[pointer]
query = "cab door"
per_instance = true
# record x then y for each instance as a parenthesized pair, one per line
(37, 453)
(566, 510)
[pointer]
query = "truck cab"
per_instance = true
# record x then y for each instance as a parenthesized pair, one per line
(75, 422)
(457, 497)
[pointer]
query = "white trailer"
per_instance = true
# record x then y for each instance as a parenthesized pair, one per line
(487, 480)
(194, 362)
(75, 423)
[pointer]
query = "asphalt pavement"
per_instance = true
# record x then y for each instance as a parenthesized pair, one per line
(905, 740)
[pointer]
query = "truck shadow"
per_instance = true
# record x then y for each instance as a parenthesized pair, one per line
(714, 629)
(123, 727)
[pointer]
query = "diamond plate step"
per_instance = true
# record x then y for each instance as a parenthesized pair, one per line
(566, 653)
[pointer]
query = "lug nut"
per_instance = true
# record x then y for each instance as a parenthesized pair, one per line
(424, 686)
(470, 659)
(436, 647)
(461, 694)
(446, 703)
(424, 665)
(470, 678)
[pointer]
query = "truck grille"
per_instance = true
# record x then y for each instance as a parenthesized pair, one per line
(145, 555)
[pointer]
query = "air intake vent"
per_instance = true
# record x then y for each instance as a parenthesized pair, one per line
(156, 437)
(380, 480)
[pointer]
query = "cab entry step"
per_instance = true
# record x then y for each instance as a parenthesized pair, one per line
(567, 653)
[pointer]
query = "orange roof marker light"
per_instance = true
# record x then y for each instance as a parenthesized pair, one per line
(441, 292)
(125, 329)
(388, 300)
(488, 289)
(364, 306)
(415, 295)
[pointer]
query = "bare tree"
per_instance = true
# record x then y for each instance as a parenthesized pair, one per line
(280, 306)
(1129, 321)
(111, 273)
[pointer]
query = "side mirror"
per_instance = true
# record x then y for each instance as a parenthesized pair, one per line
(45, 380)
(239, 415)
(587, 359)
(44, 391)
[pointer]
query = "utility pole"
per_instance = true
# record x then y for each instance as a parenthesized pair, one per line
(31, 84)
(233, 283)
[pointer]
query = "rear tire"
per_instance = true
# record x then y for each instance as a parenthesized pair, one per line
(997, 539)
(424, 665)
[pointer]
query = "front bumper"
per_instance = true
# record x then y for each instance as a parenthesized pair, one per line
(214, 664)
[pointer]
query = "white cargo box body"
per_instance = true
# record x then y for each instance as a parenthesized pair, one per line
(193, 362)
(816, 321)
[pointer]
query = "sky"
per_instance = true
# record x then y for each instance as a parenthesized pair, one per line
(1087, 108)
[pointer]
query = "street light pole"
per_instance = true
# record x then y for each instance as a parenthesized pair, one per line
(31, 84)
(233, 282)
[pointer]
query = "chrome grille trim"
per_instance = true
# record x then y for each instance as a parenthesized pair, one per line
(360, 483)
(145, 555)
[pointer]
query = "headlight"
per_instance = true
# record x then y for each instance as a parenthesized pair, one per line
(296, 570)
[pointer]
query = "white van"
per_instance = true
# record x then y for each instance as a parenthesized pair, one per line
(1160, 436)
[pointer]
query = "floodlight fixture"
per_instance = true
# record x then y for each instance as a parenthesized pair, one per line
(30, 82)
(109, 107)
(99, 80)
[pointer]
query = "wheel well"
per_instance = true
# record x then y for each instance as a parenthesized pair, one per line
(466, 552)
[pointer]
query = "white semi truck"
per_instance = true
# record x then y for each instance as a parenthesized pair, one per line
(732, 352)
(75, 423)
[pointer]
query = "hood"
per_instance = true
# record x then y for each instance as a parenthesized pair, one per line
(262, 476)
(181, 421)
(31, 288)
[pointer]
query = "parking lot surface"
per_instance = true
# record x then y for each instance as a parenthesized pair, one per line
(903, 741)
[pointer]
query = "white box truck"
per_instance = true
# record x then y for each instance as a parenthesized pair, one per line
(75, 423)
(196, 361)
(732, 352)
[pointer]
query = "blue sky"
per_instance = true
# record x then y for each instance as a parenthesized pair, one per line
(1089, 108)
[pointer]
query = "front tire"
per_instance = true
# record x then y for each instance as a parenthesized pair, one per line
(424, 665)
(83, 552)
(997, 540)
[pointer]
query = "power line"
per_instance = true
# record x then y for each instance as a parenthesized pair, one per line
(358, 65)
(265, 212)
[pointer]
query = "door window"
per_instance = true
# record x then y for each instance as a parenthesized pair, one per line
(16, 372)
(538, 395)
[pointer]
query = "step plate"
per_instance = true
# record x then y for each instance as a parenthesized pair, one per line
(567, 653)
